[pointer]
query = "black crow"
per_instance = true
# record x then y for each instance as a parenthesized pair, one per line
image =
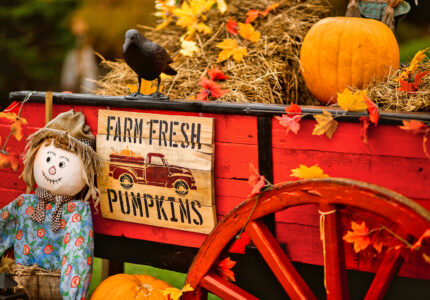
(147, 59)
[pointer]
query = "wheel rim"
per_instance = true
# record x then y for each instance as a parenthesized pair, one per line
(329, 194)
(126, 181)
(181, 188)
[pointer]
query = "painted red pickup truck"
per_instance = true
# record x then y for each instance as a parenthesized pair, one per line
(154, 171)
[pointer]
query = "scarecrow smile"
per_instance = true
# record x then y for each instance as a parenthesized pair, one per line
(51, 180)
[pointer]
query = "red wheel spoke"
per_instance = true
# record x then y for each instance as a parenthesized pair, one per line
(278, 261)
(336, 282)
(389, 267)
(223, 288)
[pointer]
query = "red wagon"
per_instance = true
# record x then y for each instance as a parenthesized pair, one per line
(296, 226)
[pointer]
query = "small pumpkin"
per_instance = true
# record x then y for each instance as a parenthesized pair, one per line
(339, 52)
(127, 287)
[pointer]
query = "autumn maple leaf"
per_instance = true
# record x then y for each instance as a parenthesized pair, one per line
(216, 74)
(16, 124)
(325, 124)
(247, 31)
(255, 180)
(231, 48)
(269, 9)
(373, 110)
(350, 101)
(413, 66)
(210, 89)
(225, 268)
(291, 123)
(175, 294)
(418, 77)
(251, 16)
(232, 26)
(9, 159)
(146, 87)
(358, 235)
(414, 126)
(304, 172)
(418, 243)
(293, 109)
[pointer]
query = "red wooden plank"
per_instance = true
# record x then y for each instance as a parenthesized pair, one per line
(383, 140)
(225, 289)
(278, 262)
(407, 176)
(8, 195)
(9, 179)
(303, 214)
(232, 160)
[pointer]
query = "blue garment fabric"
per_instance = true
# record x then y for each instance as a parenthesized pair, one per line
(70, 249)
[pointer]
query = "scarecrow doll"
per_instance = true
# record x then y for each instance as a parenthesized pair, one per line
(52, 229)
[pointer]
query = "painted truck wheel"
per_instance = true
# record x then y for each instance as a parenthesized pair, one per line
(181, 187)
(126, 181)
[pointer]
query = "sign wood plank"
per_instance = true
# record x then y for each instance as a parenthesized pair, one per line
(166, 128)
(166, 182)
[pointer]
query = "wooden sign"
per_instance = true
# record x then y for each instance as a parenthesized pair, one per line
(159, 169)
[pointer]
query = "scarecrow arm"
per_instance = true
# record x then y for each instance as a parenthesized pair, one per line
(8, 232)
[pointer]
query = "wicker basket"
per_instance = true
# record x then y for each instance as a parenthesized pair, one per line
(38, 283)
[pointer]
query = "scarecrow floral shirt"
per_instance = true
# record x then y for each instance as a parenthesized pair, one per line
(70, 249)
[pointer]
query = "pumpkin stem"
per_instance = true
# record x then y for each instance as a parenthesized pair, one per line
(352, 9)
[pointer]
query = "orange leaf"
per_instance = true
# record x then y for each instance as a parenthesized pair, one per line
(358, 236)
(268, 9)
(365, 123)
(325, 124)
(9, 160)
(418, 243)
(231, 26)
(373, 110)
(406, 86)
(231, 48)
(251, 15)
(255, 180)
(293, 109)
(17, 128)
(8, 117)
(216, 74)
(225, 268)
(247, 31)
(350, 101)
(418, 78)
(378, 240)
(304, 172)
(240, 243)
(291, 123)
(414, 126)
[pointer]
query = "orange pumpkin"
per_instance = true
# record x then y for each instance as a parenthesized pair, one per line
(340, 52)
(128, 287)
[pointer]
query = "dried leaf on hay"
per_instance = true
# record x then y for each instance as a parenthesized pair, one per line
(270, 73)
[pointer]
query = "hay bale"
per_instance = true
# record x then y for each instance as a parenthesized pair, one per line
(387, 97)
(270, 73)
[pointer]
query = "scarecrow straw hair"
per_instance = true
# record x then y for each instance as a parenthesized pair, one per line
(387, 97)
(270, 73)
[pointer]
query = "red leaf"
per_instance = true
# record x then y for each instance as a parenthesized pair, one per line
(210, 89)
(232, 26)
(414, 126)
(293, 109)
(358, 236)
(378, 241)
(251, 16)
(291, 123)
(9, 160)
(373, 110)
(406, 86)
(255, 180)
(216, 74)
(418, 243)
(418, 78)
(365, 123)
(240, 244)
(224, 267)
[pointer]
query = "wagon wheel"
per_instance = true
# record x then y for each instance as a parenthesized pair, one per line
(333, 196)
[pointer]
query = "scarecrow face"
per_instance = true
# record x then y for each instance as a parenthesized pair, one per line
(58, 171)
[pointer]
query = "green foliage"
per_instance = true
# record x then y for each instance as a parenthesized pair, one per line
(34, 39)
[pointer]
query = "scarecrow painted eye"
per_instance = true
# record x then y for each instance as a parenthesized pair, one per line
(62, 164)
(48, 159)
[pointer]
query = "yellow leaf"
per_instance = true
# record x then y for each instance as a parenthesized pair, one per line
(231, 48)
(325, 124)
(187, 288)
(350, 101)
(202, 27)
(146, 87)
(173, 293)
(304, 172)
(426, 258)
(188, 48)
(247, 31)
(186, 16)
(222, 6)
(16, 128)
(413, 66)
(164, 24)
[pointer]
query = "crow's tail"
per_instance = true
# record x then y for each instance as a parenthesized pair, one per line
(169, 71)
